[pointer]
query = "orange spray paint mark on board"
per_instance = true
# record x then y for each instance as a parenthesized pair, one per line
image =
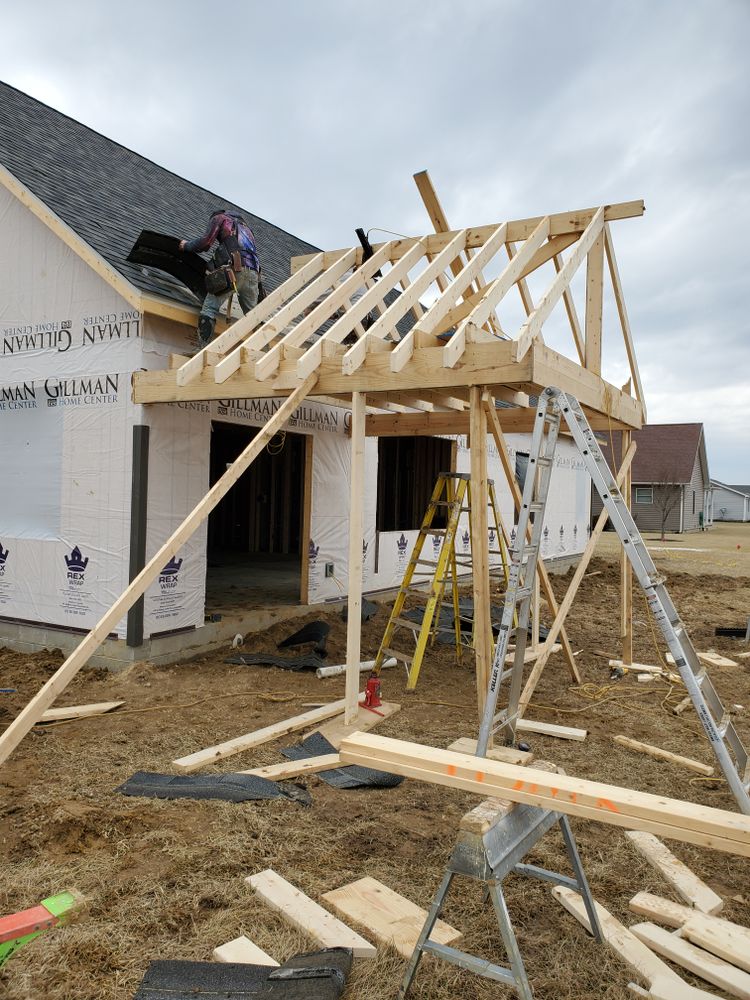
(451, 769)
(606, 804)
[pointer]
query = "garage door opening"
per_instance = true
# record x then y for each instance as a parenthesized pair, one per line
(255, 534)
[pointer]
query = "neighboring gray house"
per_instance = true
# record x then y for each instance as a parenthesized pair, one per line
(670, 480)
(730, 503)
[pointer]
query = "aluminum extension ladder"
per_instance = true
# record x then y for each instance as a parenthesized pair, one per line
(554, 406)
(488, 854)
(452, 493)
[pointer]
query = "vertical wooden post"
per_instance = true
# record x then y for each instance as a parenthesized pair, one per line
(304, 590)
(626, 572)
(594, 291)
(356, 531)
(480, 545)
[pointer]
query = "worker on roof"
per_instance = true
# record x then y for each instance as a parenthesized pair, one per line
(235, 267)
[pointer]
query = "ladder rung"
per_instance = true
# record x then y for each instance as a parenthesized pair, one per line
(406, 623)
(425, 562)
(404, 657)
(434, 531)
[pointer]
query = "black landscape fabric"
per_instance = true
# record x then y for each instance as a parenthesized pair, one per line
(307, 661)
(352, 776)
(229, 787)
(317, 975)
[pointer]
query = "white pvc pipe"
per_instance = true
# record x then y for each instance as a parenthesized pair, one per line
(332, 671)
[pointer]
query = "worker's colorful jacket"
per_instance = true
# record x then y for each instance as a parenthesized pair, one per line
(221, 227)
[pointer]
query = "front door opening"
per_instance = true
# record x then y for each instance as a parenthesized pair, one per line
(255, 532)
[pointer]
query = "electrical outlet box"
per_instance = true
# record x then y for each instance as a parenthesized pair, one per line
(329, 569)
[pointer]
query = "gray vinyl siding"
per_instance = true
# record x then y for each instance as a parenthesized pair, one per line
(728, 506)
(695, 488)
(647, 516)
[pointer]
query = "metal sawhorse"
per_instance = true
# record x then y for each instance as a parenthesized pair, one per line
(493, 840)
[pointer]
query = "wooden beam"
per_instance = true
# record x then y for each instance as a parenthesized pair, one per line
(633, 952)
(723, 939)
(79, 711)
(550, 729)
(510, 755)
(500, 287)
(624, 807)
(389, 917)
(562, 611)
(432, 321)
(626, 570)
(383, 327)
(240, 330)
(510, 475)
(518, 229)
(212, 755)
(356, 532)
(572, 313)
(660, 754)
(304, 326)
(490, 364)
(480, 560)
(294, 768)
(519, 420)
(623, 314)
(243, 950)
(685, 883)
(31, 714)
(534, 323)
(695, 960)
(305, 914)
(594, 300)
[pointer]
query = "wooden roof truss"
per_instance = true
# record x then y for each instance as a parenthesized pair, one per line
(313, 324)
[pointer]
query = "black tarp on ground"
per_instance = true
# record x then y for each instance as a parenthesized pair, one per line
(307, 661)
(351, 776)
(319, 975)
(229, 787)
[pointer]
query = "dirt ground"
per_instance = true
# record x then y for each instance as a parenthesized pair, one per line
(165, 879)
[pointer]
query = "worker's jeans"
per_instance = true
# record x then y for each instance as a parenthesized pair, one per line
(247, 292)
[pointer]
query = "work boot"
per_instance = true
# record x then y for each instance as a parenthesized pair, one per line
(205, 332)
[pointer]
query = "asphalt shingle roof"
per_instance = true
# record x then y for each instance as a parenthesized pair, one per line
(107, 194)
(665, 452)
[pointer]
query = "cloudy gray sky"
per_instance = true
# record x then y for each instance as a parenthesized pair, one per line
(315, 115)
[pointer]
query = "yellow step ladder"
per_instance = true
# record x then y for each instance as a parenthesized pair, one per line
(452, 494)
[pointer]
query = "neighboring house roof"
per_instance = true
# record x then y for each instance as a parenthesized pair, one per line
(107, 194)
(741, 490)
(665, 453)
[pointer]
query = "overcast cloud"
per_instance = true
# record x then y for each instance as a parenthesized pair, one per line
(316, 115)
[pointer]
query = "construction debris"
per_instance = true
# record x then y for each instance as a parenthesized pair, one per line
(685, 882)
(674, 758)
(311, 918)
(240, 787)
(243, 950)
(389, 917)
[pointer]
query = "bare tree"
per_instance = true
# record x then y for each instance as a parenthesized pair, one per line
(667, 493)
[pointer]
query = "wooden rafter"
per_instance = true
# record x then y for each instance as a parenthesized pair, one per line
(305, 326)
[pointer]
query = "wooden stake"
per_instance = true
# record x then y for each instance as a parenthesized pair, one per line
(356, 532)
(57, 683)
(480, 558)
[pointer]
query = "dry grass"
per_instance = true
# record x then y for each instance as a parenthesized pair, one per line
(165, 879)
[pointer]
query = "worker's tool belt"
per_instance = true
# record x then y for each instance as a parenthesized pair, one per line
(221, 279)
